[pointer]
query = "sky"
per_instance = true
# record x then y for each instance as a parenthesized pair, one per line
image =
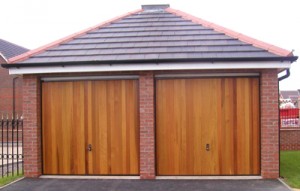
(34, 23)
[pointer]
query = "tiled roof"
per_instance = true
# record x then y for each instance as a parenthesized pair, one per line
(10, 50)
(155, 34)
(292, 94)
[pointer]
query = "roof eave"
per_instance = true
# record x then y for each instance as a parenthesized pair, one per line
(99, 62)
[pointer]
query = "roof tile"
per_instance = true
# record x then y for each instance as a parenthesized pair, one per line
(10, 50)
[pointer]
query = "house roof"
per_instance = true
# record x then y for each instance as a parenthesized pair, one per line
(10, 50)
(290, 94)
(155, 33)
(2, 59)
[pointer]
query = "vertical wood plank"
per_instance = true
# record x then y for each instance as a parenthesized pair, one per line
(255, 127)
(77, 131)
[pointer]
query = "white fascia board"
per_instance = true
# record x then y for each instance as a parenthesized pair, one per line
(149, 66)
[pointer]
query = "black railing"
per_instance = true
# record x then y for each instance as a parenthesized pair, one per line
(11, 146)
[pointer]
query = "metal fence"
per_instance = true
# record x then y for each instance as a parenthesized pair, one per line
(11, 146)
(289, 118)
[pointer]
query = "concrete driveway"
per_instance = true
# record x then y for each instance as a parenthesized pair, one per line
(144, 185)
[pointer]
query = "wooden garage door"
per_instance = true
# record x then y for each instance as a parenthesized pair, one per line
(90, 127)
(208, 126)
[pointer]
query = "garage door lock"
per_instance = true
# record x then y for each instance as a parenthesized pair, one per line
(89, 148)
(207, 147)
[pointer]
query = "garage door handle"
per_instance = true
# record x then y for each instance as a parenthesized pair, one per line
(89, 148)
(207, 147)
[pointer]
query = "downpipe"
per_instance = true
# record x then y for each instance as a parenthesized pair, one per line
(14, 97)
(285, 76)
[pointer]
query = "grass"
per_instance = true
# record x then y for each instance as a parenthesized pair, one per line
(8, 179)
(290, 167)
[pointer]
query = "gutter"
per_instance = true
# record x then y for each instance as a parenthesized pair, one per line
(99, 62)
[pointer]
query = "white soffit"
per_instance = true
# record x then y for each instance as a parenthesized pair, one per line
(149, 66)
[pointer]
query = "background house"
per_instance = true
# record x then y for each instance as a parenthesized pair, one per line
(293, 95)
(155, 92)
(10, 86)
(2, 59)
(290, 120)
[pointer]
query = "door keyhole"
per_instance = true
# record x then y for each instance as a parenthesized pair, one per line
(207, 147)
(89, 147)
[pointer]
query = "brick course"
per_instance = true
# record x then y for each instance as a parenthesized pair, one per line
(147, 145)
(269, 124)
(32, 126)
(290, 139)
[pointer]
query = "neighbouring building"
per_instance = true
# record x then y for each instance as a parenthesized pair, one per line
(10, 85)
(154, 92)
(290, 120)
(292, 95)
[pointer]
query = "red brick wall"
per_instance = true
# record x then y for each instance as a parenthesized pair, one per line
(6, 93)
(290, 139)
(32, 126)
(269, 124)
(147, 145)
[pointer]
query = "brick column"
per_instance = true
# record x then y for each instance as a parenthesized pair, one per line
(269, 124)
(147, 145)
(32, 126)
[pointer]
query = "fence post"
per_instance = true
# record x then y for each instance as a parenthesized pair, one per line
(2, 124)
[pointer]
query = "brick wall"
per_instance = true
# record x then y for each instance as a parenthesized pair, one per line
(290, 139)
(147, 147)
(32, 126)
(6, 93)
(269, 124)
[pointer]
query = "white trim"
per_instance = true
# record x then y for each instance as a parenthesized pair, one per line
(157, 177)
(77, 78)
(165, 76)
(89, 177)
(149, 66)
(208, 177)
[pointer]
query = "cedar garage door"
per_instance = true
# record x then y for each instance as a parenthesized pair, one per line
(90, 127)
(207, 126)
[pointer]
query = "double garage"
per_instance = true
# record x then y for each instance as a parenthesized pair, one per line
(203, 126)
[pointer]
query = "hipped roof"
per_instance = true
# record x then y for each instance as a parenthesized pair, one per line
(155, 33)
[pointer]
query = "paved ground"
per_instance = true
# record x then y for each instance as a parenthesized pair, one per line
(145, 185)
